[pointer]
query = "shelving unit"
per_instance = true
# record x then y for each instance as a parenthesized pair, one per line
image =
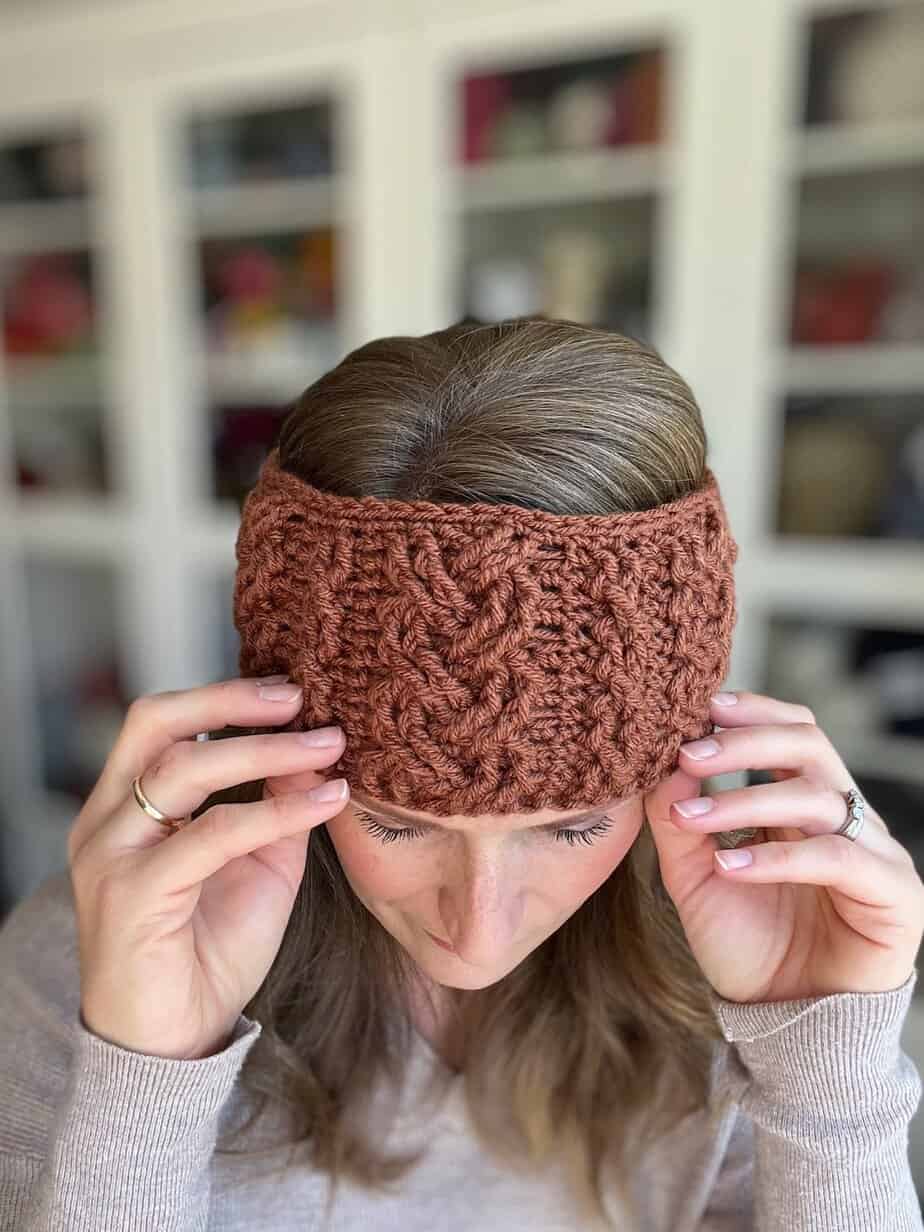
(854, 181)
(709, 220)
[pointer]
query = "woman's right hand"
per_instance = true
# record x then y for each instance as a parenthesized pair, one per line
(177, 930)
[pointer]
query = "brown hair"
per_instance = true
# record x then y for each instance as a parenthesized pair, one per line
(603, 1037)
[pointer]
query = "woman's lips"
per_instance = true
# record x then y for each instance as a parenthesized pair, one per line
(439, 941)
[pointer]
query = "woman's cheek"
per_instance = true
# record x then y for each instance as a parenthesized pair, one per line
(374, 870)
(592, 866)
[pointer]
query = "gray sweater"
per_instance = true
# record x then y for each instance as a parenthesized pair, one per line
(97, 1137)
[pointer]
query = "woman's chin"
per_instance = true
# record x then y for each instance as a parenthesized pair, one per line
(451, 972)
(467, 978)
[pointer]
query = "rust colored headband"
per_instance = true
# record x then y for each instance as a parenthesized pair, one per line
(489, 658)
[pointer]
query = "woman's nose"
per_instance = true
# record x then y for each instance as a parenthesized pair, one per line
(481, 914)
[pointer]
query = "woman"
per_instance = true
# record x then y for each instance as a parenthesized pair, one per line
(496, 557)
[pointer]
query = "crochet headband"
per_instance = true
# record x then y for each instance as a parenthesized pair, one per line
(489, 658)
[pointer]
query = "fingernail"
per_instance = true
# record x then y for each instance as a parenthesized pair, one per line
(280, 692)
(321, 737)
(701, 748)
(726, 699)
(273, 679)
(335, 789)
(734, 859)
(694, 807)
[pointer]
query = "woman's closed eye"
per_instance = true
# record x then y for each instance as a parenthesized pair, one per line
(391, 834)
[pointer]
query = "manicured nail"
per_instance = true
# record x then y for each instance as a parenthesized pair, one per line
(280, 692)
(335, 789)
(701, 748)
(734, 859)
(726, 699)
(321, 737)
(695, 806)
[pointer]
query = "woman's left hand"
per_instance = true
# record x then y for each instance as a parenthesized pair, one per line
(814, 913)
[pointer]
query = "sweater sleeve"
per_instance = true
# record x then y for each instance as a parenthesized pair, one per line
(93, 1136)
(828, 1094)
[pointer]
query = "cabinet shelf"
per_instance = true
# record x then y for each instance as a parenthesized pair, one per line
(553, 179)
(81, 528)
(267, 207)
(828, 148)
(262, 375)
(59, 381)
(872, 367)
(864, 579)
(42, 226)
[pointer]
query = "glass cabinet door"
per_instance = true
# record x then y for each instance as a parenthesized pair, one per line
(560, 167)
(65, 699)
(850, 449)
(852, 445)
(266, 264)
(264, 183)
(51, 343)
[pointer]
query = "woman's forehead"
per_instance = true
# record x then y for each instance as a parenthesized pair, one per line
(494, 821)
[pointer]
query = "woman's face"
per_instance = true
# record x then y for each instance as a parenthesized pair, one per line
(470, 897)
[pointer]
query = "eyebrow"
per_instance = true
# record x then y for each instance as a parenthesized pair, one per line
(382, 810)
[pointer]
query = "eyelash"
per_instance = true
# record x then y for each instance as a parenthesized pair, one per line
(387, 835)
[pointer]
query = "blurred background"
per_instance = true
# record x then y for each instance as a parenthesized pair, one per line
(204, 205)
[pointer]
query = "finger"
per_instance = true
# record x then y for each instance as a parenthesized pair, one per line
(154, 721)
(749, 708)
(226, 831)
(801, 748)
(804, 803)
(825, 860)
(188, 772)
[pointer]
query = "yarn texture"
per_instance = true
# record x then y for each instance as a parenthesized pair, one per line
(488, 659)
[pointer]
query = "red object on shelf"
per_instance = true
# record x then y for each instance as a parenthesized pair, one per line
(312, 286)
(48, 307)
(484, 99)
(841, 305)
(250, 272)
(636, 99)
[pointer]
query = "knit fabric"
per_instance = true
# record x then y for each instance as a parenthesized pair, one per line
(489, 658)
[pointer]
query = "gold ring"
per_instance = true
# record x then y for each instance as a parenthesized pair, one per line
(171, 823)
